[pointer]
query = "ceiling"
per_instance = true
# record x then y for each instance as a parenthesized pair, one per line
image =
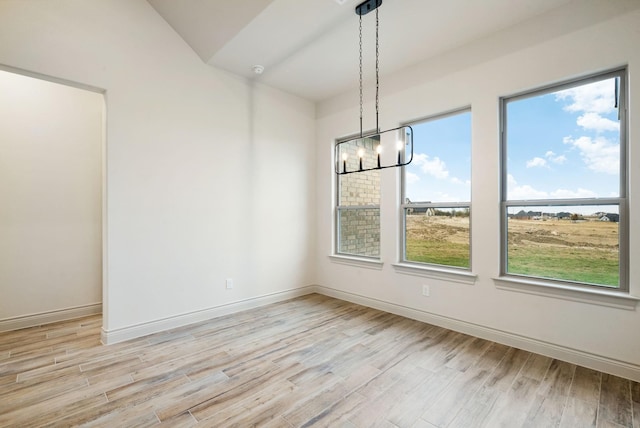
(310, 47)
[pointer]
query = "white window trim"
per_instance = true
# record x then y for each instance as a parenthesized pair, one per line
(576, 293)
(581, 292)
(463, 276)
(337, 256)
(430, 270)
(364, 262)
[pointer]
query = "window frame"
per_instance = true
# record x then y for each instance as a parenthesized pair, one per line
(337, 255)
(465, 271)
(621, 200)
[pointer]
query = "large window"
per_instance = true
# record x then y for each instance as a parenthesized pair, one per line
(358, 201)
(564, 210)
(437, 192)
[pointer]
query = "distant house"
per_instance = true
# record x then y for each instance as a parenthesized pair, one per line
(418, 210)
(522, 214)
(527, 215)
(610, 217)
(428, 211)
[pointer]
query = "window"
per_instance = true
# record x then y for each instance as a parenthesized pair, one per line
(358, 201)
(437, 192)
(564, 214)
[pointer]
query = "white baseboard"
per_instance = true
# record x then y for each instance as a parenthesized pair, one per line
(139, 330)
(34, 320)
(597, 362)
(585, 359)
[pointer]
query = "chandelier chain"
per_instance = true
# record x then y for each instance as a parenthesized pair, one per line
(377, 74)
(360, 76)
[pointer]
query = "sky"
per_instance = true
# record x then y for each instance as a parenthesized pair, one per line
(563, 144)
(441, 166)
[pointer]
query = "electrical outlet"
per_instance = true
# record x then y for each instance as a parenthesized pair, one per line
(425, 290)
(229, 283)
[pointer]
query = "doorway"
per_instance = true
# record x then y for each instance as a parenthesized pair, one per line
(51, 200)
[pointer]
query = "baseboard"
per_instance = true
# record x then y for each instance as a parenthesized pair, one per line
(585, 359)
(121, 334)
(34, 320)
(574, 356)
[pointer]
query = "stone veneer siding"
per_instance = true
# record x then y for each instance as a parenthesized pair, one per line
(359, 228)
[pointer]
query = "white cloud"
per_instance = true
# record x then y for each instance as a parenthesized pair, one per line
(594, 100)
(456, 180)
(441, 196)
(555, 159)
(598, 97)
(412, 178)
(536, 162)
(432, 166)
(599, 154)
(580, 193)
(595, 122)
(523, 192)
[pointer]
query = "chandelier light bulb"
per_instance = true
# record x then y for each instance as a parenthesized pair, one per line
(360, 154)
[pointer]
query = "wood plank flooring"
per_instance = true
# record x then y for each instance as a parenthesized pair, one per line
(310, 361)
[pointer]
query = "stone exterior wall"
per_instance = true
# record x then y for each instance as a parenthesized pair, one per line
(359, 228)
(360, 232)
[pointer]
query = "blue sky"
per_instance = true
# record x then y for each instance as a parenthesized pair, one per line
(441, 166)
(563, 144)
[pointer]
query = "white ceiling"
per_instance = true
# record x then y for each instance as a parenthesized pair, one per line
(310, 47)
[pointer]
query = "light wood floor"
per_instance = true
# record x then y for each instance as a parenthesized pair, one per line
(311, 361)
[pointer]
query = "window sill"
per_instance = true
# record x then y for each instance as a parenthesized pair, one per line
(610, 298)
(454, 275)
(364, 262)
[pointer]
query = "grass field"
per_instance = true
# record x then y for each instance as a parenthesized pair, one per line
(582, 251)
(438, 240)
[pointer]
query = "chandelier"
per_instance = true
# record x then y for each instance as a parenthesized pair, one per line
(377, 149)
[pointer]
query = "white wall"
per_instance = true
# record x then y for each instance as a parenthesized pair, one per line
(576, 40)
(208, 176)
(50, 193)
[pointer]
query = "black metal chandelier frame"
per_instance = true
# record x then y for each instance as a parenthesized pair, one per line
(404, 153)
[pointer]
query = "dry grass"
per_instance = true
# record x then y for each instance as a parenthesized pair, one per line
(586, 234)
(438, 240)
(581, 251)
